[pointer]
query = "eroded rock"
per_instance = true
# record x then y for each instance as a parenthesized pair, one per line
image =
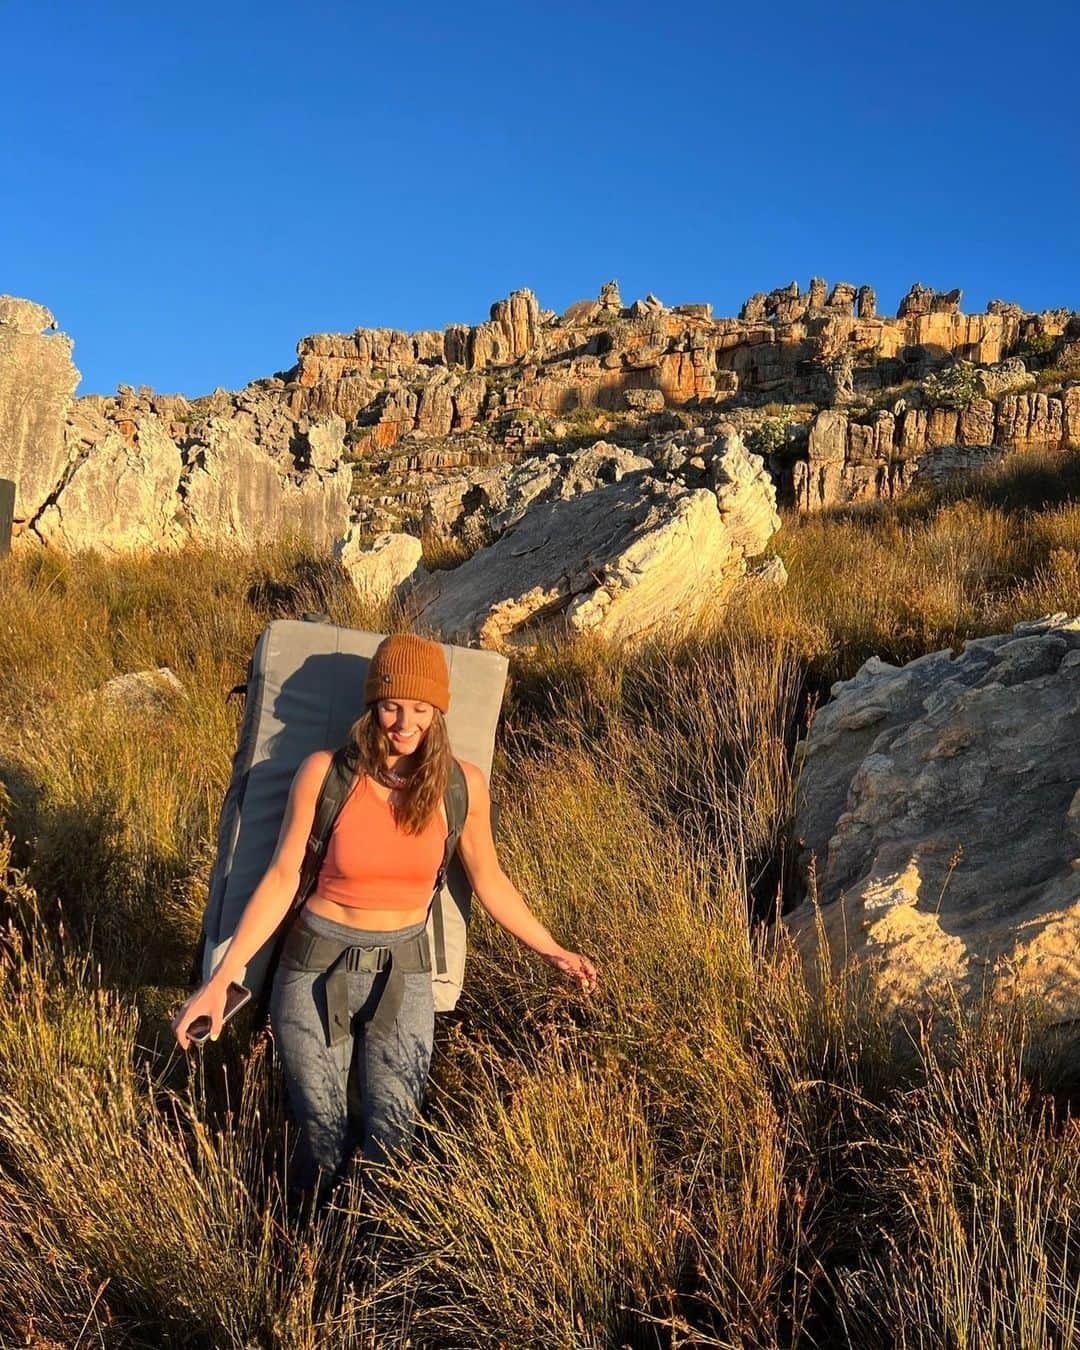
(120, 497)
(37, 380)
(142, 691)
(236, 491)
(941, 803)
(384, 568)
(618, 558)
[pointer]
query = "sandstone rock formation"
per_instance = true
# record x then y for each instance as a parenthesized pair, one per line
(37, 380)
(883, 453)
(485, 502)
(385, 568)
(418, 409)
(619, 558)
(233, 490)
(393, 387)
(941, 802)
(142, 471)
(922, 300)
(120, 498)
(1006, 377)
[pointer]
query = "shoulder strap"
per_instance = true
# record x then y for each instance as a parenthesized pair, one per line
(456, 805)
(456, 799)
(336, 786)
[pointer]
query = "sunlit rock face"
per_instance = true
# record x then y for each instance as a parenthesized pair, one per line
(37, 380)
(614, 546)
(939, 810)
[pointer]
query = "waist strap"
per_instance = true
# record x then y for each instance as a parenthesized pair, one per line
(307, 950)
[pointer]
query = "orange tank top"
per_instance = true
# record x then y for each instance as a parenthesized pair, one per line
(371, 863)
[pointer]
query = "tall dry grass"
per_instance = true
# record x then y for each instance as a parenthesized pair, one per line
(709, 1151)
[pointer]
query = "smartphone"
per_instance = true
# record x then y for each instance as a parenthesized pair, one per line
(235, 998)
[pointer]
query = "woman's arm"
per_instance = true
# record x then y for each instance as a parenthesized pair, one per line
(269, 901)
(498, 894)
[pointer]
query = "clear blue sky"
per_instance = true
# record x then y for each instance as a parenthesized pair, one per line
(192, 187)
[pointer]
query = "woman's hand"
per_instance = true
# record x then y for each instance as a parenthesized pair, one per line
(574, 967)
(209, 1001)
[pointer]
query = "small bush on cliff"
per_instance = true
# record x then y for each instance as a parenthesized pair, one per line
(952, 388)
(767, 437)
(1037, 349)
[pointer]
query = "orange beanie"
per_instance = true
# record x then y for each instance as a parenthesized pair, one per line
(407, 666)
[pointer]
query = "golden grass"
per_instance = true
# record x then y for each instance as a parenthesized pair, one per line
(710, 1151)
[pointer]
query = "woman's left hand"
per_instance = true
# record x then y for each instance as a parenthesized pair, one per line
(574, 967)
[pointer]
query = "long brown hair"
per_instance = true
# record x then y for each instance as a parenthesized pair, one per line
(428, 780)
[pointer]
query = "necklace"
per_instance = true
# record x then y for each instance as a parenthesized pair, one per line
(394, 781)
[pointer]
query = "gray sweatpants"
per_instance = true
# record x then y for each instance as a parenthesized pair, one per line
(364, 1091)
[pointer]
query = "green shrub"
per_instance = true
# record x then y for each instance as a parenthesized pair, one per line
(953, 388)
(1037, 348)
(767, 437)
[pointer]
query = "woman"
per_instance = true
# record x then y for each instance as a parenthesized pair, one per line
(335, 1007)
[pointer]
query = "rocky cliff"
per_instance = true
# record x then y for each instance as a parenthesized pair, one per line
(845, 403)
(526, 370)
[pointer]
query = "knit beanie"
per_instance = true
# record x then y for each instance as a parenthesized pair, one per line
(407, 666)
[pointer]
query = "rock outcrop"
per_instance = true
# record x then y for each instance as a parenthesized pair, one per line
(119, 498)
(485, 502)
(884, 453)
(619, 558)
(940, 801)
(450, 411)
(392, 386)
(234, 490)
(144, 471)
(37, 381)
(384, 568)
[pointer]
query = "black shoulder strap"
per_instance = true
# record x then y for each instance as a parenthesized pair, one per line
(456, 805)
(336, 786)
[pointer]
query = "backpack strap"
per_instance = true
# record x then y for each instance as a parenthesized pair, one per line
(456, 805)
(336, 786)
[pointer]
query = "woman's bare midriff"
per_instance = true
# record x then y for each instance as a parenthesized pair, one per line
(378, 920)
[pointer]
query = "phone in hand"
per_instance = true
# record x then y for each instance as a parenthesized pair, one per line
(235, 998)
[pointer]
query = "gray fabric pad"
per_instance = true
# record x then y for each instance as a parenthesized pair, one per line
(305, 690)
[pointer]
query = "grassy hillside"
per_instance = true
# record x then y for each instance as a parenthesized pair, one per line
(707, 1152)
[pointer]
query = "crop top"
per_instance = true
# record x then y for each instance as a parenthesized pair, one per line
(371, 863)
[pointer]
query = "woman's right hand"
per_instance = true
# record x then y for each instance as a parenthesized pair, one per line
(209, 1001)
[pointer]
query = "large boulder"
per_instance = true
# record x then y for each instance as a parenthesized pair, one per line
(495, 497)
(940, 804)
(383, 568)
(1006, 377)
(619, 558)
(37, 380)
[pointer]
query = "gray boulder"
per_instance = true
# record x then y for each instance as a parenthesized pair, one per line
(939, 803)
(497, 497)
(235, 491)
(618, 558)
(120, 497)
(383, 568)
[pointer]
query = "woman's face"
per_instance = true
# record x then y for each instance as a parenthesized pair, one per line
(404, 720)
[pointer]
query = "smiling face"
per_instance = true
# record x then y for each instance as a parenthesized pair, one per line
(404, 720)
